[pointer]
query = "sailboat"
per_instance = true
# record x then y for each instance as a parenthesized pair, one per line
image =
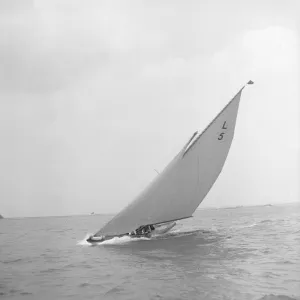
(179, 189)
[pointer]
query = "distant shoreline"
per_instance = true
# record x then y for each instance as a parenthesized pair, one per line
(198, 209)
(246, 206)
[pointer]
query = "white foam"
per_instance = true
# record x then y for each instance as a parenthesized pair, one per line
(122, 240)
(84, 242)
(249, 226)
(113, 241)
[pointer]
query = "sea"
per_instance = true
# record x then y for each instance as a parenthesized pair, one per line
(226, 253)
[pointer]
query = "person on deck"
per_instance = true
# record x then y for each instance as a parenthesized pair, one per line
(147, 230)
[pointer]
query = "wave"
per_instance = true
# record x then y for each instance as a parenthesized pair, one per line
(278, 297)
(266, 221)
(250, 225)
(174, 234)
(12, 261)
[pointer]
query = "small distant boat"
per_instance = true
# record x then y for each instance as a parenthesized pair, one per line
(92, 213)
(176, 192)
(1, 217)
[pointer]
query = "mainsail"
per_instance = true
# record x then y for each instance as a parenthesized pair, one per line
(177, 191)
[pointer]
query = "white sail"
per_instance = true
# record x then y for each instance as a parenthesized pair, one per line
(181, 187)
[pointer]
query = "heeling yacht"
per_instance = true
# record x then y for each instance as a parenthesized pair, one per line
(176, 192)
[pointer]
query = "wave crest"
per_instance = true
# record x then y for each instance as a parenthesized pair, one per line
(277, 297)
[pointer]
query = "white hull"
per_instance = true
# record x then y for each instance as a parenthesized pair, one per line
(159, 229)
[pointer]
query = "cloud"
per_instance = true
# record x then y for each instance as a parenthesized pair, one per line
(96, 96)
(44, 51)
(46, 46)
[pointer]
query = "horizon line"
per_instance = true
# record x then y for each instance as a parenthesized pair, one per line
(111, 214)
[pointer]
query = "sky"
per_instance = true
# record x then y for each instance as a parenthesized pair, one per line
(95, 95)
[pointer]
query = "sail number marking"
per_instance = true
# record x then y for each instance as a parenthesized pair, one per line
(221, 135)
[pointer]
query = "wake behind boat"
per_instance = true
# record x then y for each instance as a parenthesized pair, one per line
(176, 193)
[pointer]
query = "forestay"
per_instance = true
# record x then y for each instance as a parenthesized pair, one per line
(181, 187)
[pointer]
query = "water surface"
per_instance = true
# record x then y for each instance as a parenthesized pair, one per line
(240, 253)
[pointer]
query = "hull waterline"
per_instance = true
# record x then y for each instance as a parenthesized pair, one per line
(93, 241)
(160, 229)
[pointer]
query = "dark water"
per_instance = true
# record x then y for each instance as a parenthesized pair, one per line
(241, 253)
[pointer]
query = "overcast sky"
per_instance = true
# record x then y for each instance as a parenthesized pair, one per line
(95, 95)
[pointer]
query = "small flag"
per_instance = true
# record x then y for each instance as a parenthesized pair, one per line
(250, 82)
